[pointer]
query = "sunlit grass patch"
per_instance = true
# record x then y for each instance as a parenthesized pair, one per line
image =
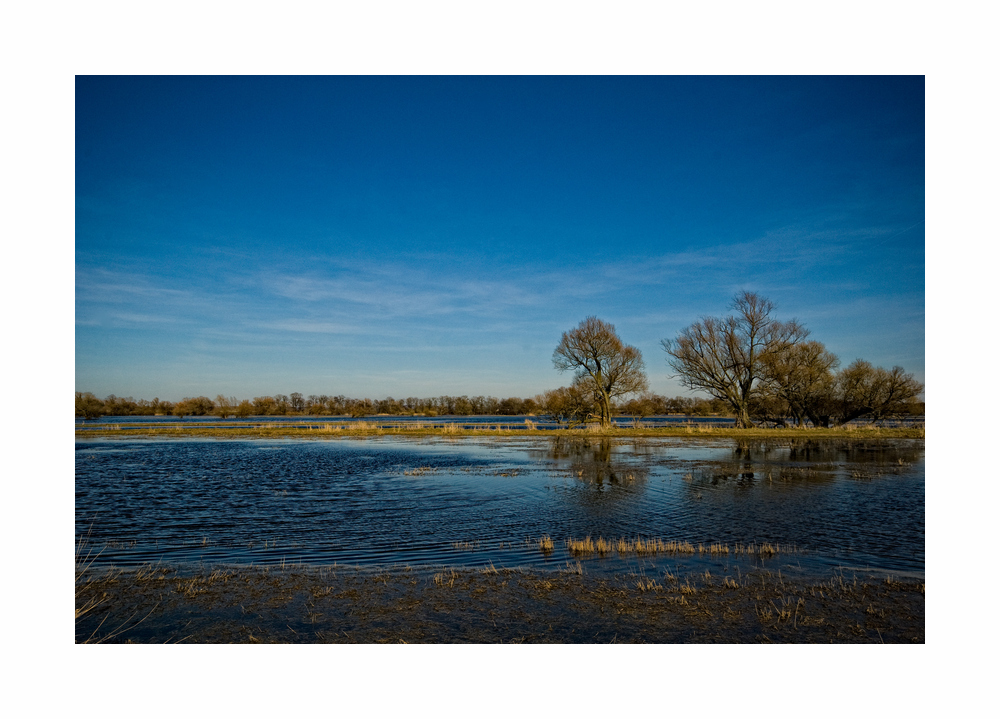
(580, 546)
(445, 579)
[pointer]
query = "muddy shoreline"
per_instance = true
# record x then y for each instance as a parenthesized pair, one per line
(349, 605)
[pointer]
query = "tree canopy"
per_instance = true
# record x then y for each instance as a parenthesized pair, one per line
(604, 366)
(727, 356)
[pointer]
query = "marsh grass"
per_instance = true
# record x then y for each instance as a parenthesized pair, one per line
(580, 546)
(446, 579)
(85, 602)
(84, 559)
(652, 546)
(496, 605)
(644, 584)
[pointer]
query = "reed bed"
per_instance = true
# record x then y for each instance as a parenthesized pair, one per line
(652, 546)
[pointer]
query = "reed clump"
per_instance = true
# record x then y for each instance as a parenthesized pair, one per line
(645, 584)
(546, 544)
(580, 546)
(765, 549)
(651, 546)
(639, 545)
(445, 579)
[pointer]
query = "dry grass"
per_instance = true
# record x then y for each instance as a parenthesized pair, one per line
(765, 549)
(446, 579)
(644, 584)
(546, 544)
(580, 546)
(83, 562)
(652, 546)
(488, 604)
(329, 428)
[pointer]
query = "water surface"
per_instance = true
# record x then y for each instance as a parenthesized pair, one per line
(475, 501)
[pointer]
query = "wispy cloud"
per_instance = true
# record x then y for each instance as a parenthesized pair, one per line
(313, 327)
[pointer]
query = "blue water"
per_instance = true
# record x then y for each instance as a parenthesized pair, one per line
(472, 501)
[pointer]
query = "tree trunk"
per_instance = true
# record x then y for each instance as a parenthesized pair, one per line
(743, 420)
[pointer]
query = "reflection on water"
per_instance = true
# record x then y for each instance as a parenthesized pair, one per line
(592, 460)
(465, 501)
(806, 460)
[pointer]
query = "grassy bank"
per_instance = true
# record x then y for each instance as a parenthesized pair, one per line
(346, 605)
(421, 429)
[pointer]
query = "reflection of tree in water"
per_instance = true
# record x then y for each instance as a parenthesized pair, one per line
(593, 460)
(811, 460)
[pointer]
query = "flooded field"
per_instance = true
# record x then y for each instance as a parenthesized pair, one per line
(470, 502)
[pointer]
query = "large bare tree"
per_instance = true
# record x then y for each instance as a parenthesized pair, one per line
(802, 376)
(727, 356)
(602, 363)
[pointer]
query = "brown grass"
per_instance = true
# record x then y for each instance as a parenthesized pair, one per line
(652, 546)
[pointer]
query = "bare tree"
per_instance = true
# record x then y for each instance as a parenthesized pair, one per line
(802, 376)
(602, 363)
(726, 356)
(244, 409)
(88, 406)
(866, 391)
(225, 406)
(574, 404)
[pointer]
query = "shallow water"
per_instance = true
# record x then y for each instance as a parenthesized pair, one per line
(472, 501)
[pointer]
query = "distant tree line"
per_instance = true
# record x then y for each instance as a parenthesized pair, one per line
(554, 403)
(755, 368)
(547, 403)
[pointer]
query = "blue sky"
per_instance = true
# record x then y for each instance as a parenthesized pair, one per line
(412, 236)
